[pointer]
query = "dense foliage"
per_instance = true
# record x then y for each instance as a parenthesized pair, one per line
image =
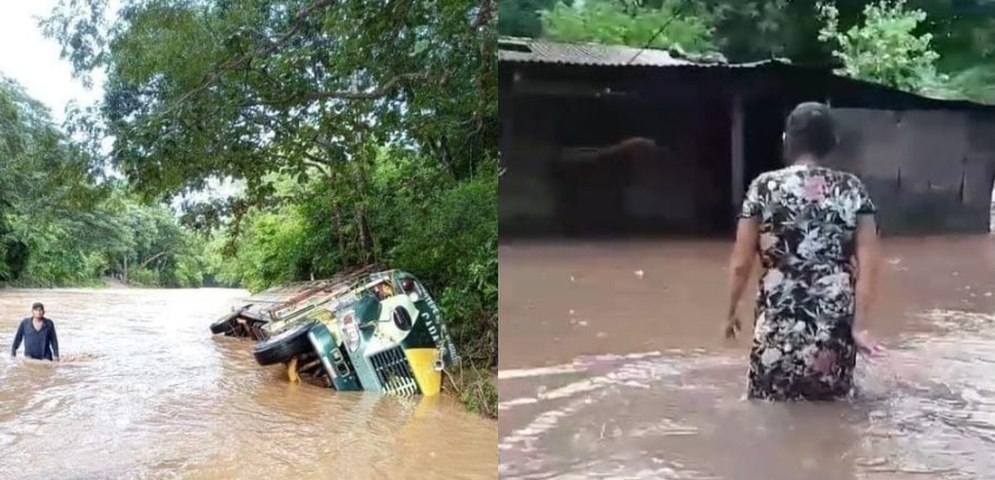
(59, 227)
(667, 26)
(941, 48)
(884, 48)
(358, 135)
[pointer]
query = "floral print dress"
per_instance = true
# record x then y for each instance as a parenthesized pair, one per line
(803, 347)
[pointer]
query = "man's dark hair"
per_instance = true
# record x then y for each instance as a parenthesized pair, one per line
(810, 129)
(37, 306)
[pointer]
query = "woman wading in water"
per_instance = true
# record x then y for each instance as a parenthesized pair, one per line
(816, 236)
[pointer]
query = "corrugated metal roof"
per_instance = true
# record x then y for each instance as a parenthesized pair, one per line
(542, 51)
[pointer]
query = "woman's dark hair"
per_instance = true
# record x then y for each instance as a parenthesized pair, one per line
(809, 129)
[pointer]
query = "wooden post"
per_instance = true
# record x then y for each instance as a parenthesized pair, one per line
(737, 153)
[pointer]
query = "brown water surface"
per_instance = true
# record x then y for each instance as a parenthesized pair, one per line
(145, 392)
(613, 366)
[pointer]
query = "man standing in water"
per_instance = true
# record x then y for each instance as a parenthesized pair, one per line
(38, 334)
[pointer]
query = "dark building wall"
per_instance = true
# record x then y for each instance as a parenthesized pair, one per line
(929, 171)
(928, 164)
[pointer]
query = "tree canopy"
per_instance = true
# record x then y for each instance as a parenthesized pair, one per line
(940, 48)
(243, 89)
(60, 226)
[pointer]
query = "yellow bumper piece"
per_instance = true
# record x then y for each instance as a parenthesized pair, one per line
(292, 371)
(422, 362)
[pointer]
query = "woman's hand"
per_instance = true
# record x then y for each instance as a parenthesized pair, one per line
(867, 346)
(732, 326)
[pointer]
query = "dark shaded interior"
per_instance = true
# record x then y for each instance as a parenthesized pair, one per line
(763, 127)
(630, 167)
(625, 164)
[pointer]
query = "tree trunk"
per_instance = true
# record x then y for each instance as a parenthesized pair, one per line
(338, 231)
(153, 257)
(366, 240)
(337, 221)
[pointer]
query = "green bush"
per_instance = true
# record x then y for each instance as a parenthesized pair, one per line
(886, 48)
(452, 246)
(143, 277)
(670, 25)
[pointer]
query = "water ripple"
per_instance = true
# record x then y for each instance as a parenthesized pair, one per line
(145, 392)
(684, 417)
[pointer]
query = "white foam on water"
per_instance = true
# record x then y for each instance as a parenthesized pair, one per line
(594, 383)
(639, 370)
(509, 404)
(538, 372)
(524, 439)
(576, 366)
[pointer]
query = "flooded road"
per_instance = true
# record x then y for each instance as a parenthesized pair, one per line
(145, 392)
(613, 366)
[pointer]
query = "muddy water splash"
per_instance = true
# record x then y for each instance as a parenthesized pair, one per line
(613, 366)
(144, 392)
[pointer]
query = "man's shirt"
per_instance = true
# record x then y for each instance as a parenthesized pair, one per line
(38, 344)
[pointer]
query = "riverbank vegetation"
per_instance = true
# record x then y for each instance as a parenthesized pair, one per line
(937, 48)
(63, 224)
(349, 135)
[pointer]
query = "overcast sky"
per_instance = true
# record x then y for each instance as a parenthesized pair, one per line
(33, 60)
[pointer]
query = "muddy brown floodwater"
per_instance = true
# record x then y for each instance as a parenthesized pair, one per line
(145, 392)
(613, 366)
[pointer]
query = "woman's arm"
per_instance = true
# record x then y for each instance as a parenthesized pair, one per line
(868, 253)
(741, 261)
(744, 251)
(868, 259)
